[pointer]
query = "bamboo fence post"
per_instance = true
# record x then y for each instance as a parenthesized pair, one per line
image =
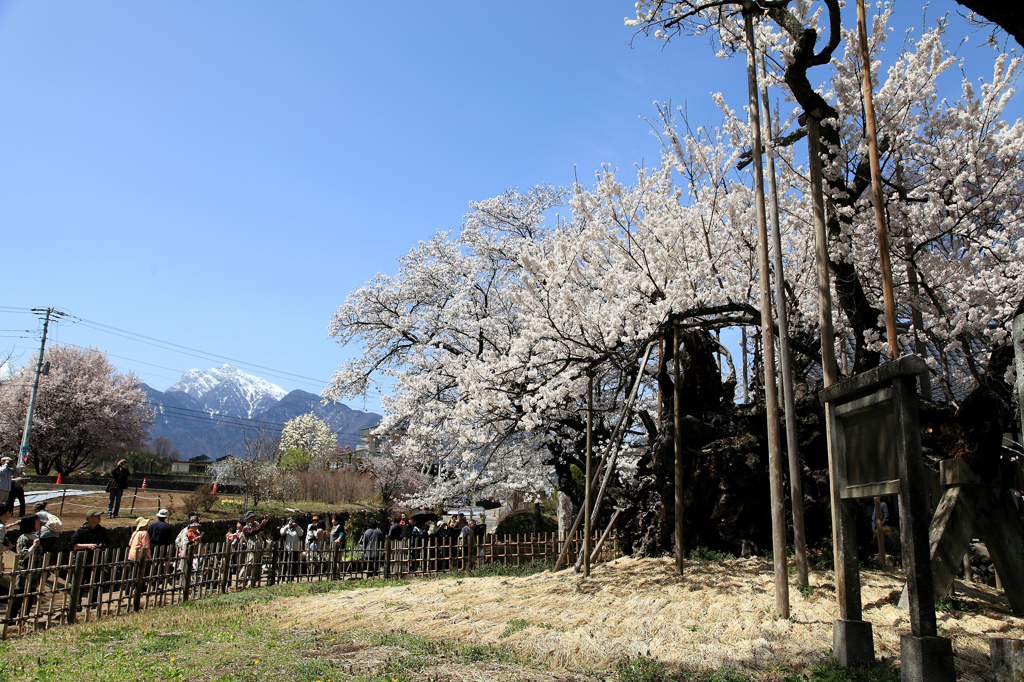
(225, 568)
(11, 598)
(796, 489)
(62, 498)
(274, 560)
(76, 587)
(131, 512)
(767, 333)
(187, 578)
(387, 558)
(139, 581)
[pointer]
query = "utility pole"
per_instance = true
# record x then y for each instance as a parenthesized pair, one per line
(47, 313)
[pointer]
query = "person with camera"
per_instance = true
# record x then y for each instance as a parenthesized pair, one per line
(90, 538)
(291, 545)
(115, 487)
(253, 543)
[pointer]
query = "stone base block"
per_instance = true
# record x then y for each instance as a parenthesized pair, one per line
(851, 643)
(926, 659)
(1007, 659)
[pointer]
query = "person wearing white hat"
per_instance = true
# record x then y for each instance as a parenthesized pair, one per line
(161, 533)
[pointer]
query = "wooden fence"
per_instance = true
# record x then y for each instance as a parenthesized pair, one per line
(68, 587)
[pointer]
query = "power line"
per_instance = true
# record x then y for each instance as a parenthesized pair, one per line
(178, 348)
(169, 345)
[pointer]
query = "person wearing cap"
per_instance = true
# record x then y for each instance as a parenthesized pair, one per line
(252, 538)
(91, 535)
(118, 482)
(7, 474)
(51, 527)
(28, 549)
(17, 487)
(161, 533)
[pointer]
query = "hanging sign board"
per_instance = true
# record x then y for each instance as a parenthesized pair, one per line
(867, 428)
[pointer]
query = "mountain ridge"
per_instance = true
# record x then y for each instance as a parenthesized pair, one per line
(207, 412)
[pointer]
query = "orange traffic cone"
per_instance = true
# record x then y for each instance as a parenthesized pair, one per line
(143, 482)
(214, 491)
(58, 478)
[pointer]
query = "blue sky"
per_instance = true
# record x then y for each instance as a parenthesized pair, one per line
(220, 175)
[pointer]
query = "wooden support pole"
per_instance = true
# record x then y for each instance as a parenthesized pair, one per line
(796, 487)
(63, 497)
(677, 398)
(879, 530)
(610, 453)
(587, 520)
(604, 536)
(746, 384)
(876, 184)
(778, 509)
(617, 436)
(131, 512)
(846, 591)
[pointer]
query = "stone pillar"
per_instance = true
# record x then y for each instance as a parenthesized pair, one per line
(564, 515)
(1007, 659)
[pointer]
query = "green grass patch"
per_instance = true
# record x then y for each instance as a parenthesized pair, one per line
(497, 570)
(951, 604)
(514, 626)
(706, 554)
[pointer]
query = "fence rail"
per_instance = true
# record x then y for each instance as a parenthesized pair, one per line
(48, 590)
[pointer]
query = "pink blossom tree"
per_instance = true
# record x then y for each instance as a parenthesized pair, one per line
(84, 408)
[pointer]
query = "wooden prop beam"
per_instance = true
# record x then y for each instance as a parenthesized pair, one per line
(612, 447)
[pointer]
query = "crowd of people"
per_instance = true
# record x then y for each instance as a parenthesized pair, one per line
(302, 549)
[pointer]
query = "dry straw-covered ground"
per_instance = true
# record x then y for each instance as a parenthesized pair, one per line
(718, 614)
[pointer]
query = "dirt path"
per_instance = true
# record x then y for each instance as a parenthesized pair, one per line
(719, 614)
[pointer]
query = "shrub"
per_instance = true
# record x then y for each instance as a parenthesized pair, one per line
(202, 499)
(331, 487)
(525, 522)
(706, 554)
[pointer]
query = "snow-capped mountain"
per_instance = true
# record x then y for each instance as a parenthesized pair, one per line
(229, 390)
(206, 412)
